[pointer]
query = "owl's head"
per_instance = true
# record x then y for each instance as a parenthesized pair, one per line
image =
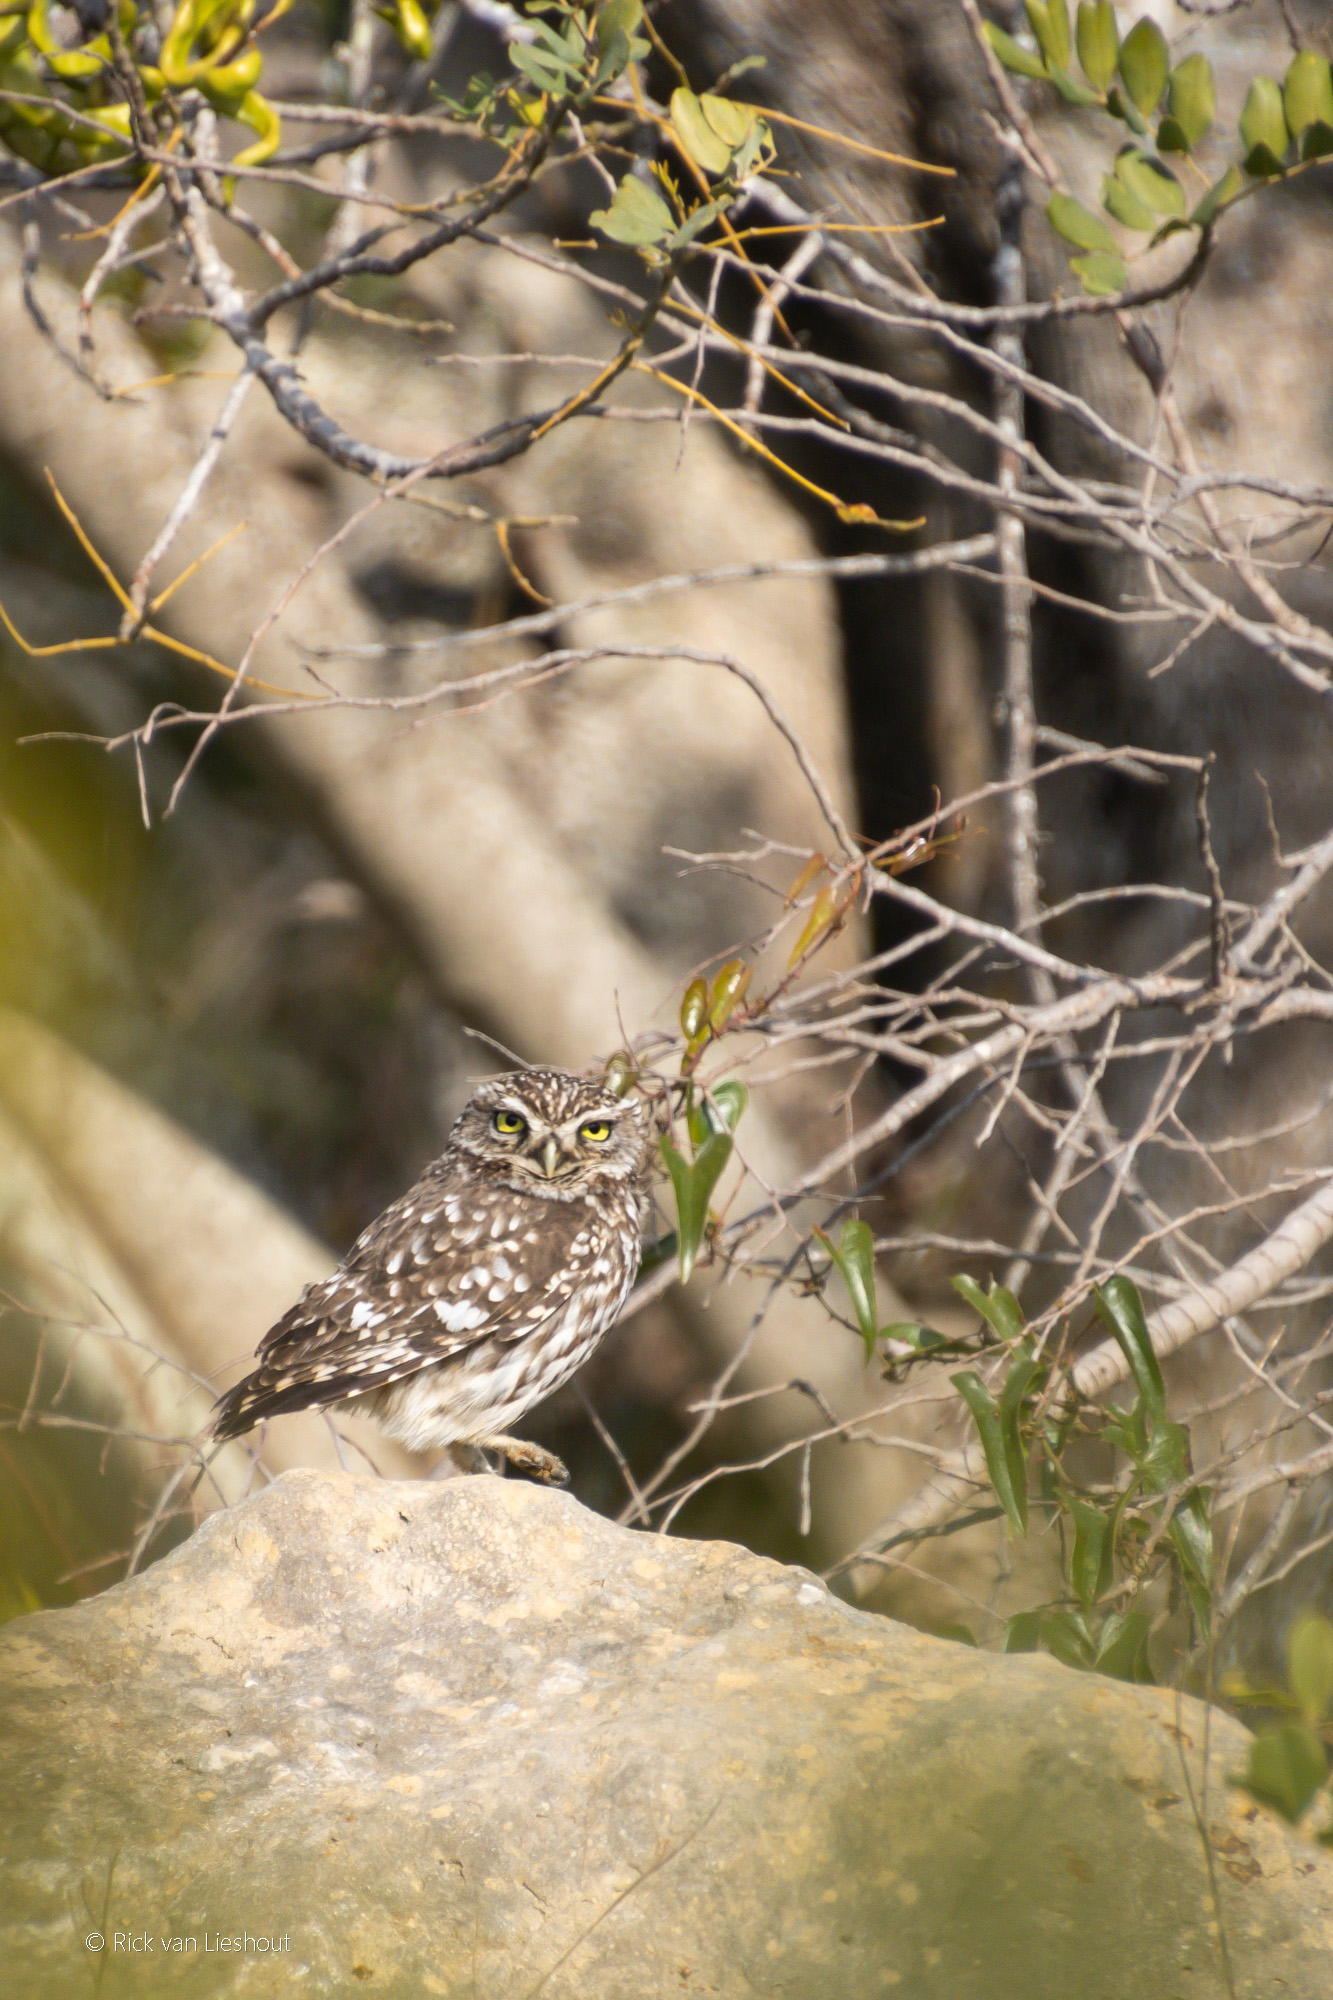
(548, 1132)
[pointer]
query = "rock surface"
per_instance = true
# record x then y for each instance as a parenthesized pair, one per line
(469, 1739)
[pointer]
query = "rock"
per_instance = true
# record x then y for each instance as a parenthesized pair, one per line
(469, 1739)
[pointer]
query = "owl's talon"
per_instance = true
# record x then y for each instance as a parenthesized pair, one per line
(529, 1458)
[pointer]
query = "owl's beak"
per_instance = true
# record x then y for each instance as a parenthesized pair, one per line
(550, 1157)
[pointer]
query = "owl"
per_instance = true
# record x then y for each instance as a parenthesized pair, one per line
(481, 1289)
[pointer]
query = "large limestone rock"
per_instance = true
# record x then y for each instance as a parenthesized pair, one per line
(469, 1739)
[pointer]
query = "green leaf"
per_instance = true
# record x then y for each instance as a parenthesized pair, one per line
(961, 1635)
(997, 1307)
(638, 215)
(694, 1006)
(1307, 92)
(1022, 1632)
(1286, 1768)
(1098, 41)
(1123, 1647)
(1145, 63)
(1121, 1308)
(1119, 106)
(547, 72)
(654, 1255)
(1191, 1534)
(986, 1416)
(616, 17)
(1218, 196)
(1167, 1459)
(1103, 274)
(1017, 1382)
(712, 130)
(1090, 1564)
(1310, 1665)
(1065, 1633)
(1124, 207)
(620, 1074)
(1071, 90)
(854, 1255)
(1049, 20)
(924, 1339)
(1078, 225)
(1317, 141)
(728, 991)
(1149, 182)
(1263, 127)
(728, 1101)
(1191, 99)
(1011, 53)
(695, 223)
(693, 1182)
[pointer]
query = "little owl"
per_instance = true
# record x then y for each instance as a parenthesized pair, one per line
(481, 1289)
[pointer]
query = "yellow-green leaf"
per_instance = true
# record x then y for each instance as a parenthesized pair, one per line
(1102, 274)
(613, 15)
(1307, 92)
(694, 1009)
(823, 916)
(1078, 225)
(1098, 41)
(1012, 54)
(1191, 99)
(1287, 1766)
(1149, 182)
(1263, 127)
(1310, 1665)
(1145, 62)
(638, 215)
(712, 129)
(728, 991)
(1219, 194)
(413, 29)
(1124, 207)
(1049, 20)
(1072, 91)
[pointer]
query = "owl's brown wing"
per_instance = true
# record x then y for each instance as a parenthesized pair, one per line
(452, 1262)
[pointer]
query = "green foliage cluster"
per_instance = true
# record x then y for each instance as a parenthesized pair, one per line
(76, 111)
(1289, 1763)
(1282, 127)
(1151, 1521)
(711, 1116)
(82, 115)
(723, 142)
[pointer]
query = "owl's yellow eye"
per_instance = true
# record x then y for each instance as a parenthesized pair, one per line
(509, 1122)
(596, 1131)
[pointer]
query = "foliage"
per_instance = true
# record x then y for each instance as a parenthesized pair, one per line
(1289, 1766)
(1147, 1525)
(71, 105)
(710, 1115)
(1282, 128)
